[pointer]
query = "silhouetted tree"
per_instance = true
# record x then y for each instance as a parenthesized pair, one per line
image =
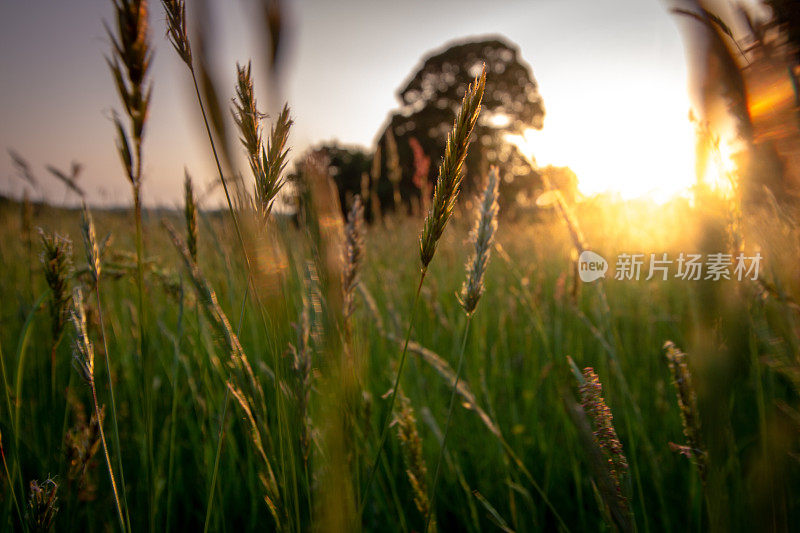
(348, 166)
(430, 99)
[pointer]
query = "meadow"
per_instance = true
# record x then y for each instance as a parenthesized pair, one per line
(238, 369)
(205, 472)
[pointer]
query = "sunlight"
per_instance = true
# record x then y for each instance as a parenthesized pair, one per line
(645, 149)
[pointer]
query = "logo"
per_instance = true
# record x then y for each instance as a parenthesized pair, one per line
(591, 266)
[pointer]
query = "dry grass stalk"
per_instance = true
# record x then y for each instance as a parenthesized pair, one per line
(416, 469)
(243, 384)
(83, 359)
(266, 163)
(239, 363)
(71, 179)
(482, 239)
(687, 402)
(42, 506)
(57, 262)
(302, 351)
(81, 444)
(23, 169)
(190, 214)
(448, 183)
(129, 64)
(176, 29)
(607, 458)
(353, 254)
(444, 369)
(90, 244)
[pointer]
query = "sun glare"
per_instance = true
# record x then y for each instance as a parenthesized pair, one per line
(646, 148)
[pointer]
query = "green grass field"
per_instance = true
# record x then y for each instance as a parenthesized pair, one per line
(528, 321)
(243, 370)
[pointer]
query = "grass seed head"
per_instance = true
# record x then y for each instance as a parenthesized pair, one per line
(482, 238)
(687, 402)
(266, 162)
(83, 352)
(605, 435)
(411, 442)
(57, 261)
(42, 508)
(176, 29)
(130, 63)
(90, 243)
(448, 183)
(190, 213)
(354, 254)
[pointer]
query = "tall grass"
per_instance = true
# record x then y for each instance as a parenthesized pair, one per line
(255, 369)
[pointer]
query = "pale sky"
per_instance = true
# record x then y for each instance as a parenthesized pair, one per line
(612, 75)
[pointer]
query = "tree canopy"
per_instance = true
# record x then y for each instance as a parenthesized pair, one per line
(412, 142)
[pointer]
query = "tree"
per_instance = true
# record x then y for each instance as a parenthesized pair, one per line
(348, 166)
(429, 101)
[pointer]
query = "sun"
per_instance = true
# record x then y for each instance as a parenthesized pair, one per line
(646, 148)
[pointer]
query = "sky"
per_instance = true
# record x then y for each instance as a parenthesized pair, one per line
(612, 76)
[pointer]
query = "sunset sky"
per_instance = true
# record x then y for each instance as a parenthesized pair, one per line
(612, 75)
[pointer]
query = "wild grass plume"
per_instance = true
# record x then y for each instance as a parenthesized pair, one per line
(266, 163)
(190, 216)
(411, 443)
(354, 254)
(606, 457)
(687, 403)
(83, 360)
(445, 193)
(177, 30)
(57, 262)
(482, 239)
(42, 505)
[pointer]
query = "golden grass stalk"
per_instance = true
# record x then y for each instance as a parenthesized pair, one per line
(444, 199)
(90, 244)
(57, 261)
(471, 291)
(302, 363)
(176, 29)
(190, 214)
(42, 506)
(690, 415)
(83, 359)
(94, 253)
(448, 183)
(266, 163)
(482, 239)
(416, 469)
(129, 63)
(607, 461)
(353, 255)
